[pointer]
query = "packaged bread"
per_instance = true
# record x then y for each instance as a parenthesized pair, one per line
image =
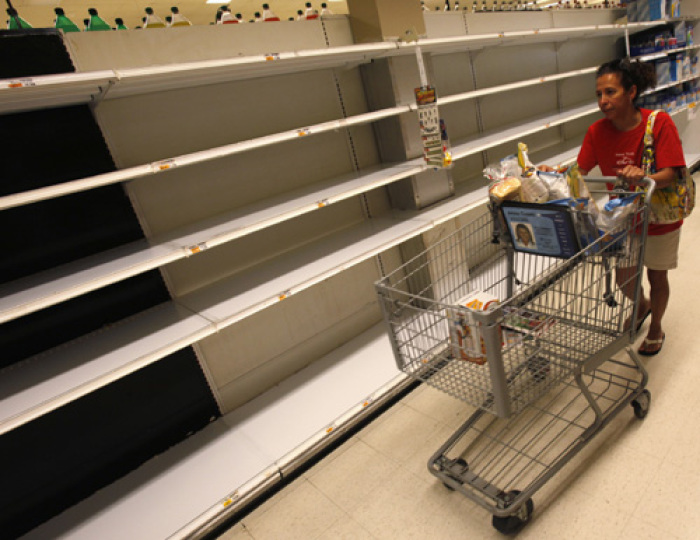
(507, 189)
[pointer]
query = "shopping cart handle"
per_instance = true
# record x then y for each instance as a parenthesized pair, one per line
(651, 185)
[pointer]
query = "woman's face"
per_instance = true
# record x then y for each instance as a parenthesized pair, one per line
(613, 100)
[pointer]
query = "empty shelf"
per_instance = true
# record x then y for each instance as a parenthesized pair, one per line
(241, 453)
(49, 380)
(62, 283)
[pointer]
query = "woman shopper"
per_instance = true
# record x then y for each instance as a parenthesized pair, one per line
(614, 143)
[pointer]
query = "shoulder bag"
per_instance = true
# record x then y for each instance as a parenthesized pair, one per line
(674, 202)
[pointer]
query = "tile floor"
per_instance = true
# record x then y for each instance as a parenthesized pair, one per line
(636, 480)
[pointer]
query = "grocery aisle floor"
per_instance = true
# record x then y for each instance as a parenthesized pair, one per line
(636, 480)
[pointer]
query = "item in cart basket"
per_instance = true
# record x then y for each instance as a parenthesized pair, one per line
(552, 228)
(465, 334)
(527, 322)
(507, 189)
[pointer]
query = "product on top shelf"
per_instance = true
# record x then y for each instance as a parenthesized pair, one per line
(152, 20)
(64, 23)
(120, 24)
(325, 10)
(16, 22)
(178, 19)
(96, 23)
(309, 12)
(268, 15)
(257, 17)
(240, 18)
(227, 17)
(425, 8)
(300, 15)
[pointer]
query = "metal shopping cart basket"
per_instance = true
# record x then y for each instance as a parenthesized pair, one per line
(537, 351)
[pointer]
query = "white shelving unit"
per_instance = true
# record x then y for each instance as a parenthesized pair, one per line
(361, 371)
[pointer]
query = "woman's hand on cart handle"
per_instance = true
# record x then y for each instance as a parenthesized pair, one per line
(631, 175)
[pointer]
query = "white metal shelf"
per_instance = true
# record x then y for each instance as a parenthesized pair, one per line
(132, 173)
(666, 52)
(21, 94)
(49, 380)
(52, 379)
(37, 292)
(270, 435)
(489, 140)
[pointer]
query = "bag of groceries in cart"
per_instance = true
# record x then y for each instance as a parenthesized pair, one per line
(516, 191)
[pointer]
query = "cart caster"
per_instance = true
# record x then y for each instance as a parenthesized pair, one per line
(515, 522)
(458, 466)
(641, 404)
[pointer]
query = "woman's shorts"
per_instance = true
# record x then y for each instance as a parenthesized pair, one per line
(662, 251)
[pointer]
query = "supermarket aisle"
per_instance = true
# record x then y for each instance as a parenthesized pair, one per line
(636, 480)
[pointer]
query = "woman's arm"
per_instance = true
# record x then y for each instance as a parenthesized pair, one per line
(663, 178)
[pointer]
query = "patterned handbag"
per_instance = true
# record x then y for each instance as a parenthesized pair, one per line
(672, 203)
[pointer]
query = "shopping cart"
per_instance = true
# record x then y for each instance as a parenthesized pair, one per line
(541, 365)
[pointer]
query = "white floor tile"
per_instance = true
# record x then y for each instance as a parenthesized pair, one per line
(298, 512)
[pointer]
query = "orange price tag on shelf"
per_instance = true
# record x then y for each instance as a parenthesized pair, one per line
(21, 83)
(303, 132)
(322, 203)
(164, 165)
(284, 295)
(198, 248)
(272, 56)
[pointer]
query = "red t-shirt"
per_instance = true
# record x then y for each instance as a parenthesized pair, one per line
(611, 149)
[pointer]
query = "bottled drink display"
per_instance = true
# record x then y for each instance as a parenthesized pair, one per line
(178, 19)
(64, 23)
(16, 22)
(268, 15)
(310, 12)
(95, 23)
(152, 20)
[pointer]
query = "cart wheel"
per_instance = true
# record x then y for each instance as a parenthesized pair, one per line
(515, 522)
(461, 463)
(641, 404)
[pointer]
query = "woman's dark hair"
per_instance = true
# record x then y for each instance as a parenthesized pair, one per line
(639, 74)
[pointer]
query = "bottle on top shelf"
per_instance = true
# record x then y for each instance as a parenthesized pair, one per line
(152, 20)
(325, 10)
(227, 17)
(257, 17)
(300, 15)
(447, 5)
(96, 23)
(423, 6)
(168, 21)
(178, 19)
(64, 23)
(309, 12)
(240, 18)
(119, 22)
(16, 22)
(456, 8)
(268, 15)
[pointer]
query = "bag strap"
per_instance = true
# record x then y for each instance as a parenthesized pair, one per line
(648, 161)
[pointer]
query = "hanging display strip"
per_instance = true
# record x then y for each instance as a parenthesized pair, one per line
(432, 129)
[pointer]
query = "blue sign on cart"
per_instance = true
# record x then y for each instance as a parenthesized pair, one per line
(541, 229)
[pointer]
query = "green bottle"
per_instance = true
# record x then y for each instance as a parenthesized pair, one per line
(96, 23)
(63, 22)
(120, 24)
(16, 22)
